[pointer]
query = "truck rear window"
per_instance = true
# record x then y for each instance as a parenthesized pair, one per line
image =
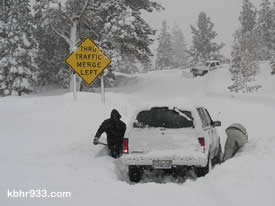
(164, 117)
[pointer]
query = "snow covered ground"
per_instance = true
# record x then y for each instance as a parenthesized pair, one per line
(46, 143)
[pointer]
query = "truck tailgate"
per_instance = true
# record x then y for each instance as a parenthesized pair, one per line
(179, 145)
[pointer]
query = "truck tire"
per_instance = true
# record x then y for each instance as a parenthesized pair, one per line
(135, 173)
(202, 171)
(218, 158)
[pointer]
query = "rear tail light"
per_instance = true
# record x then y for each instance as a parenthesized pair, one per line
(202, 143)
(125, 146)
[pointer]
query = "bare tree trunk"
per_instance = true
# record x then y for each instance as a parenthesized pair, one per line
(73, 35)
(73, 39)
(102, 88)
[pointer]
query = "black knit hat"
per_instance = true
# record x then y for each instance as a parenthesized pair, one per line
(115, 114)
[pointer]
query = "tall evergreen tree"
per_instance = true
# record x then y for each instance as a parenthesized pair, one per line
(4, 8)
(147, 66)
(272, 37)
(52, 49)
(128, 64)
(164, 57)
(272, 63)
(179, 50)
(248, 17)
(244, 70)
(272, 30)
(266, 29)
(247, 35)
(245, 51)
(5, 5)
(203, 46)
(18, 71)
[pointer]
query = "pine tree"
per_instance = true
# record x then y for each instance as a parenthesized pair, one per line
(52, 50)
(126, 33)
(272, 30)
(245, 52)
(18, 71)
(147, 66)
(5, 5)
(4, 71)
(128, 65)
(244, 70)
(272, 41)
(248, 17)
(164, 57)
(203, 46)
(236, 68)
(256, 35)
(179, 50)
(247, 35)
(272, 64)
(265, 29)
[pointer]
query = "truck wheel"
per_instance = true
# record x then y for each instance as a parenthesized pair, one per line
(218, 158)
(202, 171)
(135, 173)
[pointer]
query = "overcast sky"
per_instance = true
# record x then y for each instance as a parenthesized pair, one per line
(223, 13)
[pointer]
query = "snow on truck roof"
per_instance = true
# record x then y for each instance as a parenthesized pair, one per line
(180, 104)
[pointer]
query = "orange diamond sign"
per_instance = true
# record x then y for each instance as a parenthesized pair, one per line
(88, 61)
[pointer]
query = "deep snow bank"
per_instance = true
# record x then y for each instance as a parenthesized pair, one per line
(46, 143)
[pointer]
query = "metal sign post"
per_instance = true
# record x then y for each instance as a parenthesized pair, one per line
(74, 87)
(102, 89)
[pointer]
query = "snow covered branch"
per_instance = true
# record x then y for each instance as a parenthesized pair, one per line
(84, 9)
(67, 17)
(60, 34)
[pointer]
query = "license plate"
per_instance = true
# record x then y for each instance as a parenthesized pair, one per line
(162, 164)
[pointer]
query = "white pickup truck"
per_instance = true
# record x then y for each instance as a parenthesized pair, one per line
(171, 137)
(203, 69)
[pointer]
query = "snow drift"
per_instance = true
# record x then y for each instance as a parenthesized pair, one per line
(46, 143)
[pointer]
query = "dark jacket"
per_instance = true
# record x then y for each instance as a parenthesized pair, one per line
(114, 128)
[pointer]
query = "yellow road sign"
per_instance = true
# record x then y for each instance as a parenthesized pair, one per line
(88, 61)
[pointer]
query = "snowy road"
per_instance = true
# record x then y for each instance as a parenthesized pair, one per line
(46, 144)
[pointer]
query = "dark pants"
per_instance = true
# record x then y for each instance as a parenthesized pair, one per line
(115, 150)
